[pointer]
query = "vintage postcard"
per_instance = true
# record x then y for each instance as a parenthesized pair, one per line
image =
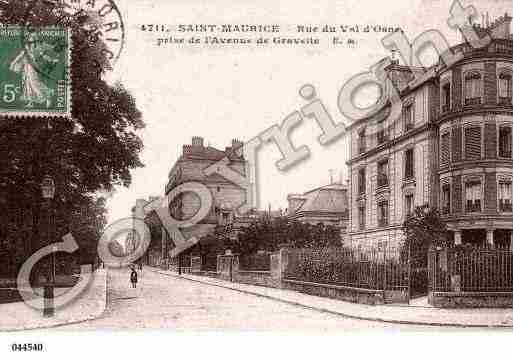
(255, 166)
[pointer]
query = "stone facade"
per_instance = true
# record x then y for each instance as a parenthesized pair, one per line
(461, 137)
(190, 167)
(378, 174)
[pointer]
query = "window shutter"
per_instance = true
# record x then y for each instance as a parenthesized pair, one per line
(445, 154)
(473, 143)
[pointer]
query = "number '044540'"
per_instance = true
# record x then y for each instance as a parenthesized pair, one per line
(31, 347)
(9, 93)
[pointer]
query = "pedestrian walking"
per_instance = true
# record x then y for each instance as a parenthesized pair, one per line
(133, 278)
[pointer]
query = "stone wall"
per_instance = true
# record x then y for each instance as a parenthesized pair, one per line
(228, 269)
(263, 278)
(348, 294)
(471, 299)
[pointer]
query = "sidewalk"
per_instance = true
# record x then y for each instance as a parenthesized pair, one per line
(91, 304)
(401, 314)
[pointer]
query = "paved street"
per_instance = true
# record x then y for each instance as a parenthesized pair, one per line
(179, 304)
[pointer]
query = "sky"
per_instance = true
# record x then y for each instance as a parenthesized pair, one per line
(238, 92)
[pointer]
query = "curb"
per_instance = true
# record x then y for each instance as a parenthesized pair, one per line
(346, 315)
(68, 322)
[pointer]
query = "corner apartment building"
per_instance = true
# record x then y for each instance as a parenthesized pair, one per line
(189, 167)
(451, 149)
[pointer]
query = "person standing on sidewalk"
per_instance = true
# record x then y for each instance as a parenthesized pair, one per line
(133, 278)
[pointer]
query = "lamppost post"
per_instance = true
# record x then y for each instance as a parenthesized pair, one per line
(48, 192)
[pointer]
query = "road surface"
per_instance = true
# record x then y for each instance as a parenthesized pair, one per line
(162, 301)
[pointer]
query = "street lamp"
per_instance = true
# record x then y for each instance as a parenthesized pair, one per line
(48, 192)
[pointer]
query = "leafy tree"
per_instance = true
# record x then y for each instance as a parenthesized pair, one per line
(268, 234)
(423, 228)
(91, 152)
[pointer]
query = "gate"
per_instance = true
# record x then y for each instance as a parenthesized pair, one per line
(418, 273)
(226, 265)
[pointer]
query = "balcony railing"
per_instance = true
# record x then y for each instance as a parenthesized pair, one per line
(446, 108)
(473, 101)
(408, 126)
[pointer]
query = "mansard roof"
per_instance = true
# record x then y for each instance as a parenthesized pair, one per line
(327, 199)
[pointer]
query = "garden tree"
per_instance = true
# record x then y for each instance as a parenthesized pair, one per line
(92, 151)
(423, 229)
(270, 233)
(86, 226)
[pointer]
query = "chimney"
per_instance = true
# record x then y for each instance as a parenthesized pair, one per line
(197, 141)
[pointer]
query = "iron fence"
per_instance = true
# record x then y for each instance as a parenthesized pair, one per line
(471, 270)
(255, 262)
(367, 268)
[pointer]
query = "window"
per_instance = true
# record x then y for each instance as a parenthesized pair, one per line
(473, 196)
(381, 134)
(361, 181)
(408, 204)
(383, 173)
(473, 143)
(504, 194)
(361, 141)
(408, 117)
(445, 149)
(218, 189)
(446, 97)
(408, 164)
(383, 213)
(505, 142)
(361, 217)
(504, 89)
(446, 199)
(473, 88)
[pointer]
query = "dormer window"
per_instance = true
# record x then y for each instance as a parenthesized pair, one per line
(473, 88)
(504, 89)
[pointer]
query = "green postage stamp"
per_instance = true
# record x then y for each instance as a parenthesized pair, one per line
(34, 71)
